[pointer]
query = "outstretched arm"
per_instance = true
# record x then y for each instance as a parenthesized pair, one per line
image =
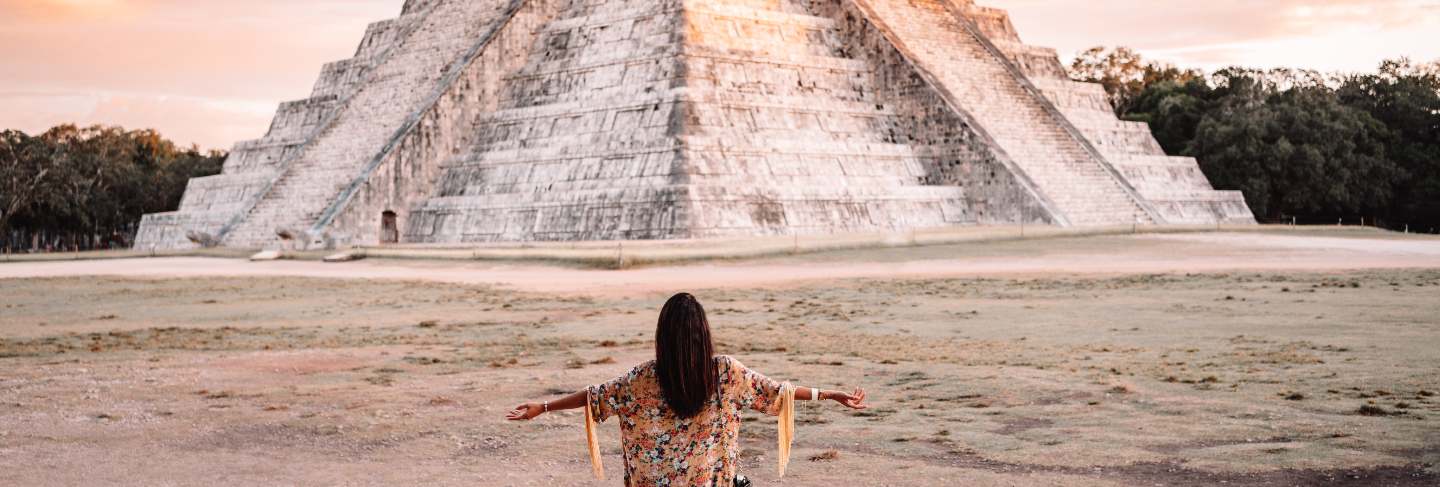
(854, 400)
(530, 410)
(762, 393)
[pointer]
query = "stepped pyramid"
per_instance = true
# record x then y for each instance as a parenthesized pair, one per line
(516, 120)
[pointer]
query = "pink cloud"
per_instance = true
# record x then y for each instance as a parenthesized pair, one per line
(211, 71)
(180, 66)
(1318, 34)
(206, 123)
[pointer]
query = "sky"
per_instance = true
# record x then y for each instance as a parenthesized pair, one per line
(211, 72)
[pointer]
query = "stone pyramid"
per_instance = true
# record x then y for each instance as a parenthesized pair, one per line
(516, 120)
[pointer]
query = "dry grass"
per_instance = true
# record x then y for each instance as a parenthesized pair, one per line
(1035, 380)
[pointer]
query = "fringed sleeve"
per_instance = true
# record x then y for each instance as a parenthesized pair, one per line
(593, 441)
(787, 424)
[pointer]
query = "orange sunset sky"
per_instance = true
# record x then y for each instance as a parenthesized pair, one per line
(211, 72)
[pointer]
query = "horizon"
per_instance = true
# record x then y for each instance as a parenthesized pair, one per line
(114, 62)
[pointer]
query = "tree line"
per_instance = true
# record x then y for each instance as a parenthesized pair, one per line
(74, 188)
(1316, 147)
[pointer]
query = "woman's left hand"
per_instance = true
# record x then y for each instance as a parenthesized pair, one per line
(525, 412)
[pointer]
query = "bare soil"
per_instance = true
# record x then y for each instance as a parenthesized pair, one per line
(1310, 251)
(1152, 360)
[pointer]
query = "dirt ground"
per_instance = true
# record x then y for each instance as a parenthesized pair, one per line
(1323, 250)
(1189, 359)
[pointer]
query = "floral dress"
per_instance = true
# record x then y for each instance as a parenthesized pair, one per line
(661, 449)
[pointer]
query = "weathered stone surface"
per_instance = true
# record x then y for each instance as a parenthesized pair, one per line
(267, 255)
(512, 120)
(204, 240)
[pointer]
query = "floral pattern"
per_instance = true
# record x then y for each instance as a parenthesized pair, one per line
(663, 450)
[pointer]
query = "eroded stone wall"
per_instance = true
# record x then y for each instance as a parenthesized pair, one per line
(515, 120)
(709, 118)
(583, 144)
(406, 175)
(369, 124)
(212, 203)
(1174, 186)
(952, 152)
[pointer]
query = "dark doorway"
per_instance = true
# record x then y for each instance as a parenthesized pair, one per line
(389, 228)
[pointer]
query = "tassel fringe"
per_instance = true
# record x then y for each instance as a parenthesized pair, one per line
(593, 441)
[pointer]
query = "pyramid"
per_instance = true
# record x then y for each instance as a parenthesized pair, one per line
(470, 121)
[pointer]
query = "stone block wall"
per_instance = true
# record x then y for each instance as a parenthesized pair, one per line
(1174, 186)
(515, 120)
(454, 119)
(708, 118)
(212, 203)
(582, 143)
(378, 115)
(975, 78)
(951, 150)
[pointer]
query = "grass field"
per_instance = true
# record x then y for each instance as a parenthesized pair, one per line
(1189, 359)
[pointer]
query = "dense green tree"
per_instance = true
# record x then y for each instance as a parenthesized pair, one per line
(24, 173)
(1293, 151)
(1406, 98)
(92, 182)
(1174, 110)
(1296, 142)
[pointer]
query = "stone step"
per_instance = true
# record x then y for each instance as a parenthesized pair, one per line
(210, 209)
(369, 119)
(1059, 164)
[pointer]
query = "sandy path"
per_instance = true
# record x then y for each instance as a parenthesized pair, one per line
(1171, 253)
(1413, 247)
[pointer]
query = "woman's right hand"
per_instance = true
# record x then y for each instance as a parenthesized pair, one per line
(525, 412)
(854, 400)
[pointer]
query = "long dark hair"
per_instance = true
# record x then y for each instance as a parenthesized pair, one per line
(685, 356)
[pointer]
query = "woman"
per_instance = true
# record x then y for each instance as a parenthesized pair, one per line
(680, 413)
